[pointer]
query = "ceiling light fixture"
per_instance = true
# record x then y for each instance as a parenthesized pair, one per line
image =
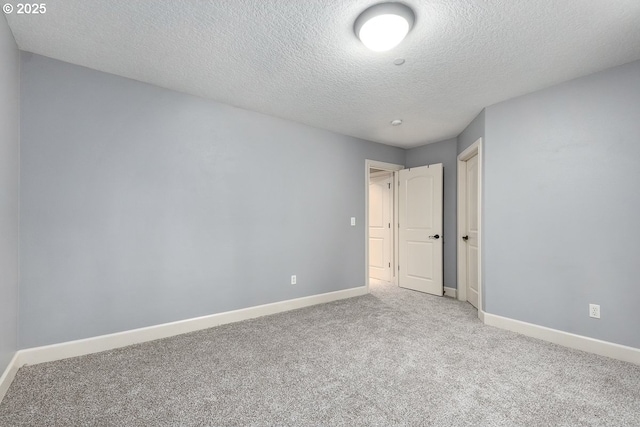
(396, 122)
(383, 26)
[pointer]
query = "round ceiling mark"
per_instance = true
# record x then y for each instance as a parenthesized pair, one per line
(396, 122)
(383, 26)
(398, 61)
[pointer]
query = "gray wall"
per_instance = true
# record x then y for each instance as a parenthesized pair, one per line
(562, 202)
(9, 192)
(472, 132)
(443, 152)
(143, 206)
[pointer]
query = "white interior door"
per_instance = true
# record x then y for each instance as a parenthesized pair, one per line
(471, 233)
(380, 241)
(420, 225)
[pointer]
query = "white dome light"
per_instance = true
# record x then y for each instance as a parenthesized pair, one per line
(383, 26)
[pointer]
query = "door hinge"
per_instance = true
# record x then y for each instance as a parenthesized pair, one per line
(389, 265)
(389, 225)
(389, 184)
(398, 267)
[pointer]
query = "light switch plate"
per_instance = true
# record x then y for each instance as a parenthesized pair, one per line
(353, 220)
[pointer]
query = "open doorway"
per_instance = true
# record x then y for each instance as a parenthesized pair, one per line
(380, 231)
(381, 211)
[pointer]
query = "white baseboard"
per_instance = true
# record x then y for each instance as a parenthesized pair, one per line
(65, 350)
(49, 353)
(450, 292)
(566, 339)
(9, 374)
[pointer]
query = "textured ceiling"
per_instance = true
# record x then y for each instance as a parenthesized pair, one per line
(299, 59)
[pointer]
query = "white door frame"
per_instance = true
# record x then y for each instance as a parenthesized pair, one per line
(475, 148)
(391, 167)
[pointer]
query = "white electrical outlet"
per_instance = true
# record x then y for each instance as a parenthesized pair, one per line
(293, 279)
(594, 311)
(353, 221)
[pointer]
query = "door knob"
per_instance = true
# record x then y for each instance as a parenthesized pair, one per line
(436, 236)
(465, 238)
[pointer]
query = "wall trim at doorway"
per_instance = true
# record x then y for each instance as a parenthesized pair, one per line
(450, 292)
(472, 150)
(50, 353)
(566, 339)
(391, 167)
